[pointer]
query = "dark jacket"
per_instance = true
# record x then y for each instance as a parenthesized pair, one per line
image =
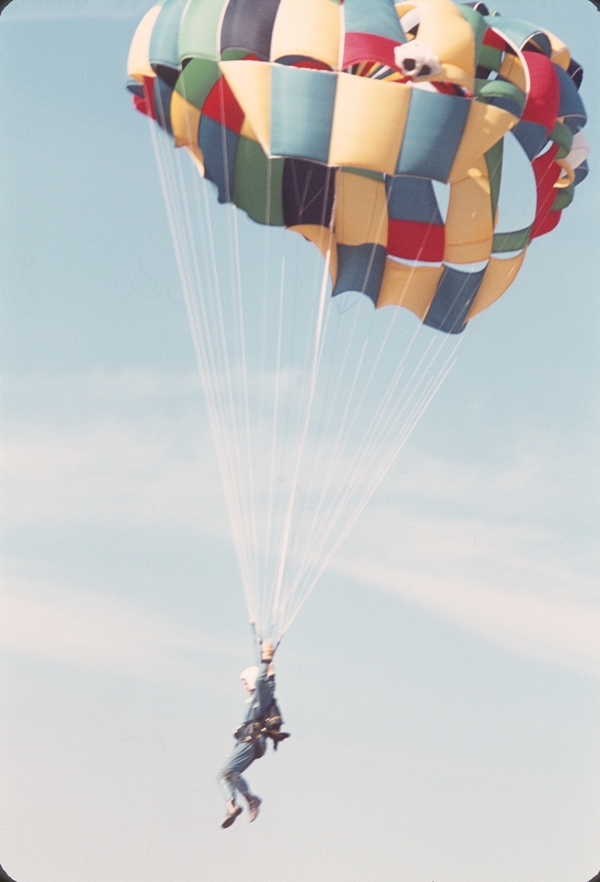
(260, 702)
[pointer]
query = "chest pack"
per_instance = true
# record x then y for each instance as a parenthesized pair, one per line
(267, 726)
(271, 725)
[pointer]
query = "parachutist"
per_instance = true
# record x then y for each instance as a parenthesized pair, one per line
(263, 720)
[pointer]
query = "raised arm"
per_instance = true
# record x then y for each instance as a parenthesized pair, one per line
(265, 682)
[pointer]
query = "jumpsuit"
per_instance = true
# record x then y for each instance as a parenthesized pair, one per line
(249, 746)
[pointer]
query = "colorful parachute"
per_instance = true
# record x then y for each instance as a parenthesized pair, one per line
(420, 147)
(339, 121)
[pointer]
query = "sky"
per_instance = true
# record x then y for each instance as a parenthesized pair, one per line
(442, 681)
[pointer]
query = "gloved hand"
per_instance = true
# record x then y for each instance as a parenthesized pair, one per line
(266, 651)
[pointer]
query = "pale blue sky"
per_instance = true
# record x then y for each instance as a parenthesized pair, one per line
(441, 683)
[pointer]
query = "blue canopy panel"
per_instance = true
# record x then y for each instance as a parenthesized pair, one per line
(531, 136)
(218, 145)
(520, 33)
(376, 17)
(135, 87)
(301, 112)
(360, 268)
(453, 299)
(434, 130)
(575, 72)
(581, 172)
(412, 199)
(164, 42)
(571, 105)
(163, 93)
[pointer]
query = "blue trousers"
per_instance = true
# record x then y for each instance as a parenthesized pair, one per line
(238, 761)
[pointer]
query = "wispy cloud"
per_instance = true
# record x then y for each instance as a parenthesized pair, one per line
(64, 624)
(109, 450)
(501, 551)
(505, 548)
(530, 623)
(39, 10)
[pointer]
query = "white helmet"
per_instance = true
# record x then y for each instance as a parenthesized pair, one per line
(249, 676)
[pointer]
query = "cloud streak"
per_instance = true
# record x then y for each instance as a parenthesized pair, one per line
(502, 551)
(50, 621)
(109, 450)
(564, 633)
(504, 548)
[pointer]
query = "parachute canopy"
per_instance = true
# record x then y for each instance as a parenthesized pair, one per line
(380, 132)
(420, 147)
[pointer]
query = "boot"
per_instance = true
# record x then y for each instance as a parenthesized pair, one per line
(233, 810)
(253, 806)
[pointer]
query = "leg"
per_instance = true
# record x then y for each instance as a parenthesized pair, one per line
(238, 761)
